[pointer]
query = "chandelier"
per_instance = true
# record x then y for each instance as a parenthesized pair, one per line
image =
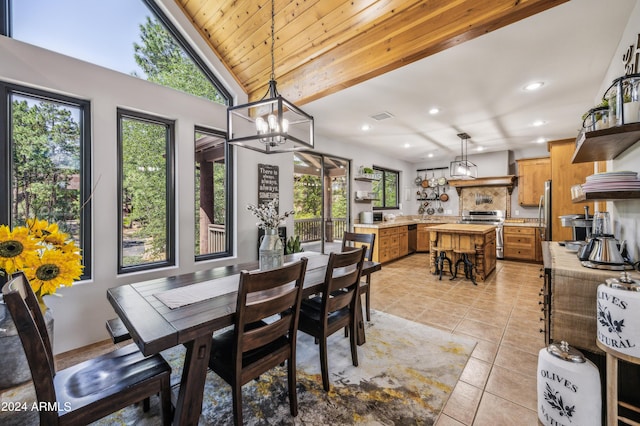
(272, 124)
(463, 168)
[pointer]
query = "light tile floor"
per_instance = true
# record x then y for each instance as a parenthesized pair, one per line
(498, 385)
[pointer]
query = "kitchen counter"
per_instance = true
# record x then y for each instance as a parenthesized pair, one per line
(570, 297)
(408, 220)
(523, 224)
(401, 221)
(463, 228)
(480, 239)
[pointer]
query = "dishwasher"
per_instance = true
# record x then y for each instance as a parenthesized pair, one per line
(413, 238)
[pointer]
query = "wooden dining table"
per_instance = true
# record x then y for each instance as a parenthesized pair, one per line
(154, 326)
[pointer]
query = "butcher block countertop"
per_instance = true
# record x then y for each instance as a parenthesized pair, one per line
(462, 228)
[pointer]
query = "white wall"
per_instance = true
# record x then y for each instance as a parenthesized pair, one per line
(625, 213)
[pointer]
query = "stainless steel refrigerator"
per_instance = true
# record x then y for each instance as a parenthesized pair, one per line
(544, 212)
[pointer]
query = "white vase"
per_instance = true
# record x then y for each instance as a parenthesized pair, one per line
(271, 252)
(631, 112)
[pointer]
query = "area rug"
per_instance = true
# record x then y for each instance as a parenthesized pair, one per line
(406, 373)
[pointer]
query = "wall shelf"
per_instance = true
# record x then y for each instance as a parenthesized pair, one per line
(367, 178)
(605, 144)
(607, 195)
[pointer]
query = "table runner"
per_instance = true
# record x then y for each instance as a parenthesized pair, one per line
(193, 293)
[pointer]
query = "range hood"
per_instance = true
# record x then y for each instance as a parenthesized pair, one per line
(508, 181)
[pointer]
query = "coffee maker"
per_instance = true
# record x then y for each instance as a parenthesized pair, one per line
(602, 250)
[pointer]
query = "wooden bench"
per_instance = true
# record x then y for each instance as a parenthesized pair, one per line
(117, 330)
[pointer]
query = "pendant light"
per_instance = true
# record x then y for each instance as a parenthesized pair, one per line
(463, 168)
(272, 124)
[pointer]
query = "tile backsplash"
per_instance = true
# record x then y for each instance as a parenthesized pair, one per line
(484, 198)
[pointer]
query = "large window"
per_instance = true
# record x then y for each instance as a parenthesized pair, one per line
(212, 195)
(386, 189)
(45, 159)
(130, 36)
(146, 188)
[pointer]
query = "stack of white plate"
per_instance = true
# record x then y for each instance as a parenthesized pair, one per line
(612, 181)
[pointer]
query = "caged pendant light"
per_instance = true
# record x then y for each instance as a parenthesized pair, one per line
(272, 124)
(463, 168)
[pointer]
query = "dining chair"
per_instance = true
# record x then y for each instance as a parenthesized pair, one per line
(335, 308)
(350, 240)
(264, 331)
(91, 389)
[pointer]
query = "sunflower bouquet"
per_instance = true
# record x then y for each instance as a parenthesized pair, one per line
(48, 257)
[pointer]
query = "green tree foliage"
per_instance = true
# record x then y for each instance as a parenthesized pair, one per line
(144, 181)
(46, 157)
(307, 196)
(166, 63)
(339, 197)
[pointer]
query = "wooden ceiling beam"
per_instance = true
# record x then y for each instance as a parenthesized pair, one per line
(323, 46)
(398, 42)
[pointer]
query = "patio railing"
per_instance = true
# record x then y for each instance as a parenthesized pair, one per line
(308, 229)
(311, 229)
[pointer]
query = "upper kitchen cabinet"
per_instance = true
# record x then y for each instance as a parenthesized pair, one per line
(565, 174)
(532, 173)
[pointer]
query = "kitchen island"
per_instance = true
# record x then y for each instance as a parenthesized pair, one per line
(479, 239)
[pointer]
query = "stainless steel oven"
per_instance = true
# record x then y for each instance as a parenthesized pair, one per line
(488, 217)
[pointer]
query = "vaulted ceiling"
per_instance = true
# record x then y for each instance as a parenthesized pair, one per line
(324, 46)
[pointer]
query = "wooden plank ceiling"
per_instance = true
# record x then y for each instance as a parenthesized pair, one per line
(323, 46)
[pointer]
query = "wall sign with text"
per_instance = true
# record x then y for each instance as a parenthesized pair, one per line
(268, 183)
(631, 58)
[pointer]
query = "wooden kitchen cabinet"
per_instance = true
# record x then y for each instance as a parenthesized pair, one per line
(391, 242)
(521, 243)
(422, 236)
(532, 174)
(564, 175)
(403, 241)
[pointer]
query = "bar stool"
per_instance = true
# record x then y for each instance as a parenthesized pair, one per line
(440, 259)
(466, 262)
(612, 386)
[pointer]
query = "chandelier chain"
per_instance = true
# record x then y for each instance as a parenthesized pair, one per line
(273, 40)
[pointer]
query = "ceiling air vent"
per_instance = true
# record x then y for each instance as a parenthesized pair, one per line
(381, 116)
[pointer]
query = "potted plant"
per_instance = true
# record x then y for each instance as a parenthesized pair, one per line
(597, 117)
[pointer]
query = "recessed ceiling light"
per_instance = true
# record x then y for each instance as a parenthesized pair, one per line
(406, 145)
(480, 148)
(539, 123)
(533, 86)
(541, 140)
(430, 155)
(365, 127)
(434, 111)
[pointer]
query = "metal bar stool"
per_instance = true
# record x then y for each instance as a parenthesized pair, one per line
(466, 262)
(441, 258)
